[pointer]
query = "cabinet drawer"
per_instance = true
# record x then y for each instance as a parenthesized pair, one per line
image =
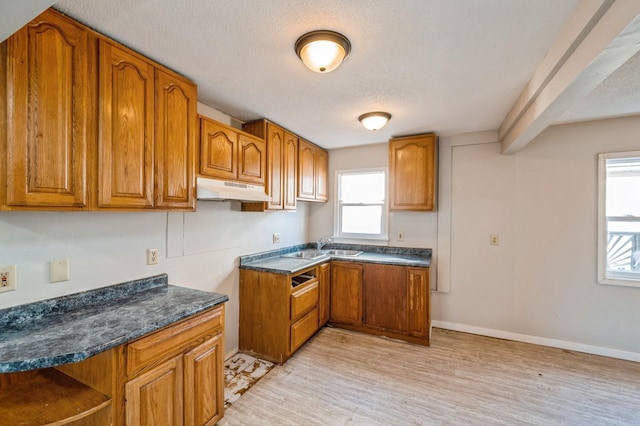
(303, 300)
(173, 340)
(303, 329)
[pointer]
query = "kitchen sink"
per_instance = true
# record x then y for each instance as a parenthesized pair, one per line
(306, 254)
(343, 252)
(315, 254)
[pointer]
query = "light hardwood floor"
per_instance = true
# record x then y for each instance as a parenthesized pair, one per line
(346, 378)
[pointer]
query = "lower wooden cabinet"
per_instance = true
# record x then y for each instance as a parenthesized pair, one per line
(174, 376)
(324, 290)
(346, 293)
(385, 297)
(186, 387)
(419, 310)
(279, 312)
(204, 383)
(155, 398)
(302, 329)
(387, 300)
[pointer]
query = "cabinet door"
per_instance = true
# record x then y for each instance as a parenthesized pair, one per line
(346, 292)
(204, 383)
(49, 76)
(385, 297)
(275, 145)
(155, 398)
(419, 292)
(412, 173)
(306, 170)
(175, 142)
(324, 281)
(290, 163)
(252, 154)
(218, 150)
(126, 129)
(322, 175)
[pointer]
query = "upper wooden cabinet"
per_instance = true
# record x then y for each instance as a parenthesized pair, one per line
(289, 163)
(126, 122)
(49, 90)
(230, 154)
(91, 124)
(175, 142)
(282, 154)
(313, 167)
(412, 173)
(146, 138)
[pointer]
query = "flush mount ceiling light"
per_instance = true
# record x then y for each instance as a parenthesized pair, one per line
(322, 51)
(374, 120)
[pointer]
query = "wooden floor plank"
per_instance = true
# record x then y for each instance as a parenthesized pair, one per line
(342, 377)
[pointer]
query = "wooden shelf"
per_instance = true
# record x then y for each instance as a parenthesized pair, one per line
(49, 397)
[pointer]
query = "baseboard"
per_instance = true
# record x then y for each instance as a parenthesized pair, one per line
(543, 341)
(231, 353)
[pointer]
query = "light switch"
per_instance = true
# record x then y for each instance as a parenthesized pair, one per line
(59, 270)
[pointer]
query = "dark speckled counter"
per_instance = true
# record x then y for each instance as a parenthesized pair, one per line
(75, 327)
(272, 261)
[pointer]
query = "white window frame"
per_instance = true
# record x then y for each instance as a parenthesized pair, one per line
(383, 237)
(604, 276)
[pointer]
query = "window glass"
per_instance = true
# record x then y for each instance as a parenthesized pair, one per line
(361, 209)
(362, 188)
(619, 221)
(361, 219)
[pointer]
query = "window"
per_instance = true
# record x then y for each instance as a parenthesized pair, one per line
(619, 219)
(361, 207)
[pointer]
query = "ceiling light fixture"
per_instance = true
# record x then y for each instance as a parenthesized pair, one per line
(374, 120)
(322, 51)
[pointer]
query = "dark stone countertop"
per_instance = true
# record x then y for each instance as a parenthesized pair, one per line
(273, 261)
(72, 328)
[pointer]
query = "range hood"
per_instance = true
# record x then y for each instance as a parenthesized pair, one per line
(221, 190)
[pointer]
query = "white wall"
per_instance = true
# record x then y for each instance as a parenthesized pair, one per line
(197, 250)
(420, 228)
(110, 248)
(541, 280)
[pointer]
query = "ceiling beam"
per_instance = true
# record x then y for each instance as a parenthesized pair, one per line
(599, 37)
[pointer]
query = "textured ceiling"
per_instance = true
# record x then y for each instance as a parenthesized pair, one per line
(617, 96)
(449, 66)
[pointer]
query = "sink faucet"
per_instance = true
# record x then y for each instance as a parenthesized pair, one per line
(322, 242)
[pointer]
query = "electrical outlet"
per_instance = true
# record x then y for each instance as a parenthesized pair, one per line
(152, 256)
(59, 270)
(494, 240)
(276, 238)
(400, 235)
(8, 278)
